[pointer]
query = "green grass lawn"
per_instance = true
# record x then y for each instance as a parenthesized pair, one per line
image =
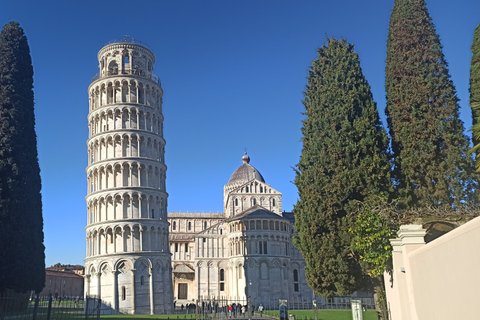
(140, 317)
(63, 313)
(325, 314)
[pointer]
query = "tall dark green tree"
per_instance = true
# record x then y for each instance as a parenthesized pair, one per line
(344, 158)
(431, 165)
(475, 92)
(21, 223)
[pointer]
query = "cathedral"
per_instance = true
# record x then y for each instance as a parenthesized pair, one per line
(245, 251)
(141, 260)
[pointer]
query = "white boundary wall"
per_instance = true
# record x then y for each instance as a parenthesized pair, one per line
(439, 280)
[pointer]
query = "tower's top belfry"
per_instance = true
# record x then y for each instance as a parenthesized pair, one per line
(126, 56)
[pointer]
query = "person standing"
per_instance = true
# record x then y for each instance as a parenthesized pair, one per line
(260, 309)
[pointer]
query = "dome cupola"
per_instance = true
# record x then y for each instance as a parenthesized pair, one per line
(244, 173)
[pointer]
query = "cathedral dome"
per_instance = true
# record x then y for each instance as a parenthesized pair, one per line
(244, 173)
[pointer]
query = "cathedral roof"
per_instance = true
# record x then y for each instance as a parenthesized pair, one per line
(256, 212)
(245, 173)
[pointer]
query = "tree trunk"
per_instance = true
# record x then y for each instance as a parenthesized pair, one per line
(381, 299)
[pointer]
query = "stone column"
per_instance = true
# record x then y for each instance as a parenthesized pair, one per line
(133, 290)
(152, 304)
(114, 237)
(115, 290)
(87, 285)
(197, 277)
(132, 238)
(99, 284)
(123, 240)
(106, 241)
(131, 206)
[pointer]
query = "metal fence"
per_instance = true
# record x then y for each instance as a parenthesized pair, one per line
(222, 309)
(238, 309)
(25, 307)
(333, 303)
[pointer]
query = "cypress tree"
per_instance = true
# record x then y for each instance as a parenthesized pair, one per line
(475, 92)
(21, 223)
(344, 158)
(431, 165)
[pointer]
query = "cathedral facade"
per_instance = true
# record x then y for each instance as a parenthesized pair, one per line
(245, 251)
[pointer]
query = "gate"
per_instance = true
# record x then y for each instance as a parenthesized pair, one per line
(92, 308)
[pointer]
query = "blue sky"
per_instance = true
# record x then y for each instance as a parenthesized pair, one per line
(233, 73)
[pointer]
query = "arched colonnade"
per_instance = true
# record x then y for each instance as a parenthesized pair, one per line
(114, 146)
(111, 239)
(125, 90)
(124, 118)
(126, 174)
(134, 205)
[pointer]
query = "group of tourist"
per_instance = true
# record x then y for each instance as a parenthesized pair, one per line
(231, 310)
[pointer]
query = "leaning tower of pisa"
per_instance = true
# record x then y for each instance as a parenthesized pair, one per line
(128, 260)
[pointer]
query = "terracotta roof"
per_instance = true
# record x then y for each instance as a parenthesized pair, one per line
(62, 274)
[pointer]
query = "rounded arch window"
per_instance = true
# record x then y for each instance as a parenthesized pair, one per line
(174, 226)
(222, 275)
(222, 280)
(189, 225)
(112, 67)
(254, 201)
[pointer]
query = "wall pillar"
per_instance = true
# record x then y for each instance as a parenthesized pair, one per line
(133, 291)
(400, 296)
(115, 290)
(152, 308)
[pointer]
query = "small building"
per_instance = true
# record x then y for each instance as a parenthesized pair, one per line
(63, 284)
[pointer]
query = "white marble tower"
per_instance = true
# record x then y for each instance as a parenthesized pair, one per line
(128, 260)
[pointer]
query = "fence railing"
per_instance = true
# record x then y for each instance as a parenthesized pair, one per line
(219, 308)
(25, 307)
(127, 72)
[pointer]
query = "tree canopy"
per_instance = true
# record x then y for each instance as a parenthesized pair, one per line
(475, 92)
(344, 158)
(431, 165)
(21, 223)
